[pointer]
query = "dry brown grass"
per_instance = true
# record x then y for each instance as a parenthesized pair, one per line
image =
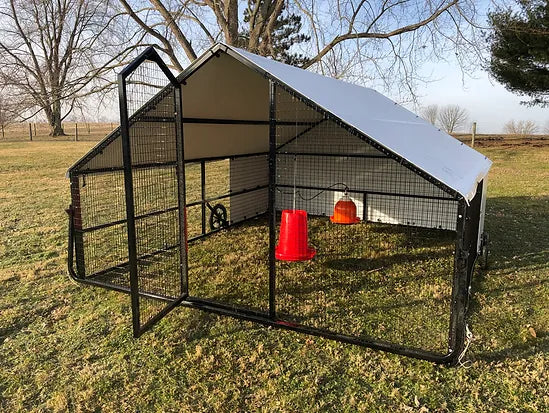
(87, 131)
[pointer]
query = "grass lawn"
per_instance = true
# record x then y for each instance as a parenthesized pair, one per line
(66, 347)
(367, 280)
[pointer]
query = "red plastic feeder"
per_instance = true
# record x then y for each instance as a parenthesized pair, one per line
(293, 244)
(345, 212)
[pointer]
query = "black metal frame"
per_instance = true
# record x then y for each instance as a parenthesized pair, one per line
(466, 247)
(150, 54)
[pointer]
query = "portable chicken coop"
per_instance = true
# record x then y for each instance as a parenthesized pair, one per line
(182, 205)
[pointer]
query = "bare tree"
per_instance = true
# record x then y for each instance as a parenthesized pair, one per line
(362, 41)
(55, 52)
(546, 127)
(9, 111)
(452, 117)
(261, 27)
(430, 113)
(521, 128)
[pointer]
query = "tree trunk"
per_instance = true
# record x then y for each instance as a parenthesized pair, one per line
(231, 13)
(56, 128)
(54, 120)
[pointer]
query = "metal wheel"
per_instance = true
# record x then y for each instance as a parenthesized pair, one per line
(484, 250)
(218, 217)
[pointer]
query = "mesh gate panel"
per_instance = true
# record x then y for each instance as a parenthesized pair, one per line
(152, 140)
(101, 221)
(373, 279)
(100, 227)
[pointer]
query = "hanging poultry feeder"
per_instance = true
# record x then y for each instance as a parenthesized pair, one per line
(293, 242)
(345, 211)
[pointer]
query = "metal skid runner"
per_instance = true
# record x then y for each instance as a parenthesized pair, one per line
(143, 216)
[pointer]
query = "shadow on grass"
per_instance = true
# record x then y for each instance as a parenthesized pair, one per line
(519, 232)
(369, 273)
(517, 351)
(518, 267)
(199, 325)
(382, 262)
(15, 328)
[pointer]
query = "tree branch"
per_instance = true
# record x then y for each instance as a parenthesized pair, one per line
(380, 35)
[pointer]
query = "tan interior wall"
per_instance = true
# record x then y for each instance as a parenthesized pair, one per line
(224, 88)
(207, 140)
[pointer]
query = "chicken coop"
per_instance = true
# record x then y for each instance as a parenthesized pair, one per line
(258, 190)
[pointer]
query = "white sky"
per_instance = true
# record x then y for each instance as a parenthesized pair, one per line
(488, 102)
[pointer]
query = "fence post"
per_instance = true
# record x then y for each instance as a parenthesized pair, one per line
(474, 132)
(30, 131)
(76, 131)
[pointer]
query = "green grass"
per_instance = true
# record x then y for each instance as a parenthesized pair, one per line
(367, 280)
(65, 347)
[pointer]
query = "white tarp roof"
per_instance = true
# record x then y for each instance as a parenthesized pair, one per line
(392, 126)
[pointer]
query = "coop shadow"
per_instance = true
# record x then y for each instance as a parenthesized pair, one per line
(518, 230)
(382, 262)
(517, 351)
(414, 236)
(365, 269)
(519, 241)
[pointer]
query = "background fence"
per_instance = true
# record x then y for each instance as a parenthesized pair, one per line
(39, 131)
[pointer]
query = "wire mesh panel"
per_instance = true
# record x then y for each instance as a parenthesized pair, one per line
(128, 223)
(383, 259)
(154, 188)
(100, 231)
(387, 274)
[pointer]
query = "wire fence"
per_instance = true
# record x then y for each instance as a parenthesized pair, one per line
(40, 131)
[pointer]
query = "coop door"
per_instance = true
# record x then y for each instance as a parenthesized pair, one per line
(152, 144)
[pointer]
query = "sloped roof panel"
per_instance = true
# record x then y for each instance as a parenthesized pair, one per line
(399, 130)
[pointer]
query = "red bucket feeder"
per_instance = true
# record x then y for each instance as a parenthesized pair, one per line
(293, 244)
(345, 211)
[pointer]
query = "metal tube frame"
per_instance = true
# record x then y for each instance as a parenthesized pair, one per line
(203, 199)
(464, 252)
(151, 55)
(79, 172)
(272, 195)
(360, 191)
